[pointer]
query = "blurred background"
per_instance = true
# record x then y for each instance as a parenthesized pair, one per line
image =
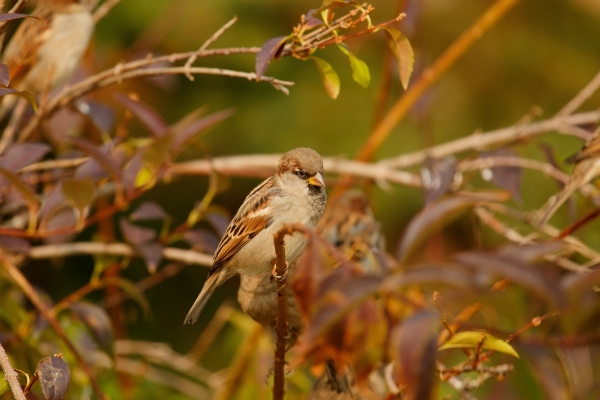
(538, 56)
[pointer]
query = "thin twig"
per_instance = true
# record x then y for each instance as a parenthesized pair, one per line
(104, 9)
(47, 314)
(205, 45)
(432, 75)
(11, 375)
(117, 249)
(54, 164)
(581, 97)
(481, 141)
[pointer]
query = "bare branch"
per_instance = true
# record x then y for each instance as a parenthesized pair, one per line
(481, 141)
(11, 375)
(117, 249)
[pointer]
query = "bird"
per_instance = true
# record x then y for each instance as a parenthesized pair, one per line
(294, 195)
(587, 167)
(45, 51)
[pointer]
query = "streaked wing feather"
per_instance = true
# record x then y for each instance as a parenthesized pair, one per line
(246, 224)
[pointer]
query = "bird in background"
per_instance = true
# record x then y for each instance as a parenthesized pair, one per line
(587, 167)
(294, 195)
(43, 53)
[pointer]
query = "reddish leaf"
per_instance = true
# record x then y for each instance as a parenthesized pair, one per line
(152, 254)
(146, 114)
(414, 343)
(424, 276)
(270, 50)
(203, 239)
(525, 275)
(63, 219)
(312, 22)
(132, 169)
(55, 376)
(187, 132)
(437, 176)
(13, 16)
(438, 215)
(20, 155)
(97, 321)
(102, 116)
(218, 221)
(508, 178)
(25, 94)
(15, 244)
(136, 235)
(4, 75)
(149, 210)
(530, 253)
(549, 372)
(52, 201)
(101, 155)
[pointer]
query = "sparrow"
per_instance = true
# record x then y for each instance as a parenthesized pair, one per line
(44, 52)
(587, 167)
(294, 195)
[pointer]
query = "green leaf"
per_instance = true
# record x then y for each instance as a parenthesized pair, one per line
(79, 192)
(472, 339)
(403, 51)
(331, 80)
(360, 70)
(4, 388)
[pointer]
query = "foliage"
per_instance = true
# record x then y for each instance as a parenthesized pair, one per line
(102, 219)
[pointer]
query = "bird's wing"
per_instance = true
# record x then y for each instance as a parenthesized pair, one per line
(21, 52)
(251, 218)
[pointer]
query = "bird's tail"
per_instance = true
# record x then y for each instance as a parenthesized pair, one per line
(214, 280)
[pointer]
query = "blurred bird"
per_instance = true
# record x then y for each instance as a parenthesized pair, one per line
(43, 54)
(587, 167)
(294, 195)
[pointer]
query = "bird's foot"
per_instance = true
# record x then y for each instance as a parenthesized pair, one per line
(278, 280)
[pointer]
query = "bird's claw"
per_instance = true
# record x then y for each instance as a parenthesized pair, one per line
(279, 280)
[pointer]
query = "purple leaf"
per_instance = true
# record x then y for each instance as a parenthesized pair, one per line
(202, 238)
(131, 170)
(146, 114)
(508, 178)
(13, 16)
(20, 155)
(414, 344)
(149, 210)
(270, 50)
(15, 244)
(437, 176)
(102, 116)
(219, 222)
(25, 94)
(55, 376)
(4, 75)
(312, 22)
(190, 130)
(549, 372)
(63, 219)
(51, 203)
(101, 154)
(97, 321)
(152, 254)
(136, 235)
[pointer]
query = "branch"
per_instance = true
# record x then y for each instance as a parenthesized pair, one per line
(117, 249)
(490, 139)
(11, 375)
(46, 313)
(581, 97)
(432, 75)
(104, 9)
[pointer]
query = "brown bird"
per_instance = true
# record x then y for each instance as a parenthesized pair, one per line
(587, 167)
(294, 195)
(43, 54)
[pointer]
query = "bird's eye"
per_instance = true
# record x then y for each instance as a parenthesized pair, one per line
(301, 174)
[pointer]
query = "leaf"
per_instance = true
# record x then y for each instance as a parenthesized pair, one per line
(136, 294)
(472, 340)
(152, 254)
(547, 369)
(149, 210)
(156, 152)
(508, 178)
(145, 113)
(414, 344)
(437, 176)
(79, 193)
(101, 154)
(270, 50)
(436, 216)
(20, 155)
(13, 16)
(97, 321)
(183, 134)
(4, 75)
(136, 235)
(403, 51)
(205, 240)
(360, 70)
(55, 376)
(101, 115)
(330, 78)
(15, 244)
(50, 204)
(28, 194)
(218, 221)
(25, 94)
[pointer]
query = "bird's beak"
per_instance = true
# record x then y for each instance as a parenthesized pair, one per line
(317, 180)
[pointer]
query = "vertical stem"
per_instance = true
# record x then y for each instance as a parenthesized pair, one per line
(282, 314)
(11, 375)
